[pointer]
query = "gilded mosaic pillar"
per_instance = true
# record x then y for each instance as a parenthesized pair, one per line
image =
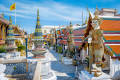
(0, 32)
(3, 32)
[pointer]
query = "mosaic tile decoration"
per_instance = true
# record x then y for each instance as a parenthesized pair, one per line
(15, 68)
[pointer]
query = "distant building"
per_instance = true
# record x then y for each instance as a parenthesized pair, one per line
(49, 29)
(108, 12)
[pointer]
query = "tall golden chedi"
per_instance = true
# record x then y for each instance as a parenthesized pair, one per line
(10, 39)
(38, 40)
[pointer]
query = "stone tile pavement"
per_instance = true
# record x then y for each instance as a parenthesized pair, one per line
(63, 72)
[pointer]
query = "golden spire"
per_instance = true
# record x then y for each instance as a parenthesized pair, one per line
(86, 19)
(70, 24)
(96, 12)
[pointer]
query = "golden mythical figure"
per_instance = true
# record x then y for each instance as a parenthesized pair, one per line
(97, 46)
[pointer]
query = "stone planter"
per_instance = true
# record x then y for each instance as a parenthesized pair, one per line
(64, 55)
(74, 62)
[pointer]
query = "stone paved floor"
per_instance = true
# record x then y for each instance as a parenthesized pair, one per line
(63, 72)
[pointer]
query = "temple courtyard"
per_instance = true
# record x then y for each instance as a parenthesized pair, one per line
(62, 71)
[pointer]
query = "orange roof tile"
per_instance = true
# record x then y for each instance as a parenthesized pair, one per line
(78, 37)
(77, 43)
(110, 25)
(115, 48)
(112, 37)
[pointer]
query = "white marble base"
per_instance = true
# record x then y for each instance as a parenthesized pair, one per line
(2, 77)
(46, 72)
(86, 76)
(65, 60)
(53, 77)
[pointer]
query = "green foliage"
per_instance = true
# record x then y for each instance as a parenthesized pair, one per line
(53, 45)
(71, 53)
(59, 49)
(2, 49)
(20, 47)
(14, 68)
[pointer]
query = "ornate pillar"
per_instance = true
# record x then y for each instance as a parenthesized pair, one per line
(0, 32)
(3, 32)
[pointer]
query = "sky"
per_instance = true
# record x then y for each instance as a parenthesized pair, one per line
(52, 12)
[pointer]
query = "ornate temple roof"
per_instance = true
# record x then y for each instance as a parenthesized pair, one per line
(110, 25)
(38, 30)
(111, 35)
(10, 34)
(78, 34)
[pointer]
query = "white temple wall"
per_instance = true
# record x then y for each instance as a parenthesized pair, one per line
(83, 54)
(114, 68)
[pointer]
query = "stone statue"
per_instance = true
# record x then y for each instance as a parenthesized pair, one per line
(97, 45)
(70, 41)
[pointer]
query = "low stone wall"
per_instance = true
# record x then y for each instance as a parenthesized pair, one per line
(15, 67)
(37, 74)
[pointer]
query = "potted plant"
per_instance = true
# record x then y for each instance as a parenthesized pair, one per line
(59, 49)
(64, 55)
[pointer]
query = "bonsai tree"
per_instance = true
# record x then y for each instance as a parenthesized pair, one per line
(59, 49)
(71, 54)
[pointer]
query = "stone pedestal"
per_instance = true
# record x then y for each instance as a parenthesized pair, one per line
(86, 76)
(38, 51)
(10, 48)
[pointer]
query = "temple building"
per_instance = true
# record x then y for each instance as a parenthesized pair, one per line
(18, 32)
(109, 24)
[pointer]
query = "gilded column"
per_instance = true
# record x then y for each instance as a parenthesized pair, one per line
(0, 32)
(3, 32)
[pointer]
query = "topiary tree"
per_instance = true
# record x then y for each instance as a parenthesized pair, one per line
(59, 49)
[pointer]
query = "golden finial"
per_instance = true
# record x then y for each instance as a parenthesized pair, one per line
(86, 19)
(3, 14)
(96, 12)
(70, 24)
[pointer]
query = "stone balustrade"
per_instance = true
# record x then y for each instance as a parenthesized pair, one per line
(6, 61)
(37, 74)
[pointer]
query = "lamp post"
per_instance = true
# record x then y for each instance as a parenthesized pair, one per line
(26, 47)
(90, 53)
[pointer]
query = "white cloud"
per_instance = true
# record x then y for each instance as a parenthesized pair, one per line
(48, 11)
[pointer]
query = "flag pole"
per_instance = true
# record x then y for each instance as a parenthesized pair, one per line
(15, 13)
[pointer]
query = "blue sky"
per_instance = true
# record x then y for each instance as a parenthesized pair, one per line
(52, 12)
